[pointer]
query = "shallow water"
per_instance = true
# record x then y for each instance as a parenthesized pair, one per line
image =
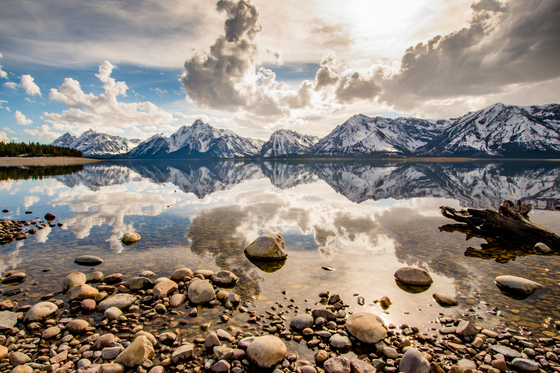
(364, 219)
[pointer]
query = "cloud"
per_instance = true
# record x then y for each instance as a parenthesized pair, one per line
(3, 74)
(88, 110)
(43, 131)
(504, 44)
(21, 119)
(228, 77)
(30, 87)
(160, 92)
(4, 137)
(11, 85)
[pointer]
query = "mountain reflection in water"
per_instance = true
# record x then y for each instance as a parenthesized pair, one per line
(480, 184)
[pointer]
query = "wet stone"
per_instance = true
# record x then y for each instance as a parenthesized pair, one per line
(88, 260)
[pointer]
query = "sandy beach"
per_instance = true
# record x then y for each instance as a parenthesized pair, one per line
(44, 161)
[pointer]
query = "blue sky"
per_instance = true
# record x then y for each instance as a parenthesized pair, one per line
(139, 68)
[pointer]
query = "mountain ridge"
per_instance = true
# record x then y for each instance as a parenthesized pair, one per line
(496, 131)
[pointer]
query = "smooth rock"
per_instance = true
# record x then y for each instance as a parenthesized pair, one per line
(514, 284)
(266, 351)
(167, 338)
(51, 332)
(8, 319)
(177, 300)
(506, 351)
(301, 321)
(106, 340)
(22, 369)
(206, 273)
(81, 292)
(15, 278)
(111, 368)
(390, 352)
(221, 366)
(201, 292)
(164, 288)
(308, 369)
(147, 273)
(413, 362)
(88, 305)
(525, 364)
(121, 301)
(88, 260)
(340, 341)
(211, 340)
(130, 238)
(49, 216)
(359, 366)
(466, 329)
(139, 283)
(182, 353)
(366, 327)
(466, 364)
(109, 353)
(413, 276)
(40, 311)
(136, 353)
(179, 274)
(444, 300)
(94, 276)
(112, 313)
(337, 365)
(77, 326)
(112, 278)
(267, 247)
(74, 278)
(541, 248)
(150, 337)
(18, 358)
(224, 278)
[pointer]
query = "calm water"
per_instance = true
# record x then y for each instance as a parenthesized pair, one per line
(365, 220)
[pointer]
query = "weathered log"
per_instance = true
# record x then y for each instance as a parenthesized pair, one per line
(510, 222)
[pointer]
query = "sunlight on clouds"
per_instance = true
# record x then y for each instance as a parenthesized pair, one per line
(29, 201)
(87, 110)
(21, 119)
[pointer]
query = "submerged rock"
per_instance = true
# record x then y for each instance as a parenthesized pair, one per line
(413, 276)
(517, 285)
(445, 300)
(88, 260)
(267, 247)
(130, 238)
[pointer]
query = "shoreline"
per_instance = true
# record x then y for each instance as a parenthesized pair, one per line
(45, 161)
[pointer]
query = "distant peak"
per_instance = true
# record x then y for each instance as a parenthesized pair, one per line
(199, 122)
(89, 132)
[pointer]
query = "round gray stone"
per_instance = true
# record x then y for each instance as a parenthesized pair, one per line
(301, 321)
(88, 260)
(266, 351)
(367, 327)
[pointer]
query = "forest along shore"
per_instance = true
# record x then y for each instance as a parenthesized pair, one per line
(45, 161)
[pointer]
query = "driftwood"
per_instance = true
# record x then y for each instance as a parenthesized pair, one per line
(511, 222)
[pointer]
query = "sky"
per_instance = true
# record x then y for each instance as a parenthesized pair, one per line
(138, 68)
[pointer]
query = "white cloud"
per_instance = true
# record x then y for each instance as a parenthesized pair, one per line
(29, 201)
(43, 131)
(3, 74)
(11, 85)
(30, 87)
(160, 92)
(87, 110)
(4, 137)
(21, 119)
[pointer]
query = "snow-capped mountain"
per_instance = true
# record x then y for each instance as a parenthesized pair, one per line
(496, 131)
(91, 143)
(200, 140)
(284, 142)
(362, 135)
(500, 130)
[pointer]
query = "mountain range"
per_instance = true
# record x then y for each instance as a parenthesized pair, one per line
(496, 131)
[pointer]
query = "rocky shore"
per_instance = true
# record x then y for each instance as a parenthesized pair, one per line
(99, 327)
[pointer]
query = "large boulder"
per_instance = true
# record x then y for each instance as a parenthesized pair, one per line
(121, 301)
(413, 362)
(136, 353)
(413, 276)
(81, 292)
(73, 279)
(164, 288)
(266, 351)
(267, 247)
(366, 327)
(40, 311)
(201, 292)
(8, 319)
(517, 285)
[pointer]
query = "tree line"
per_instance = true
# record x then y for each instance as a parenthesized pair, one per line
(32, 149)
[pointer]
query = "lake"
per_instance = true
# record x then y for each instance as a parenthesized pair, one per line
(360, 219)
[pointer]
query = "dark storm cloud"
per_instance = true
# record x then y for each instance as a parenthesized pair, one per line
(504, 44)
